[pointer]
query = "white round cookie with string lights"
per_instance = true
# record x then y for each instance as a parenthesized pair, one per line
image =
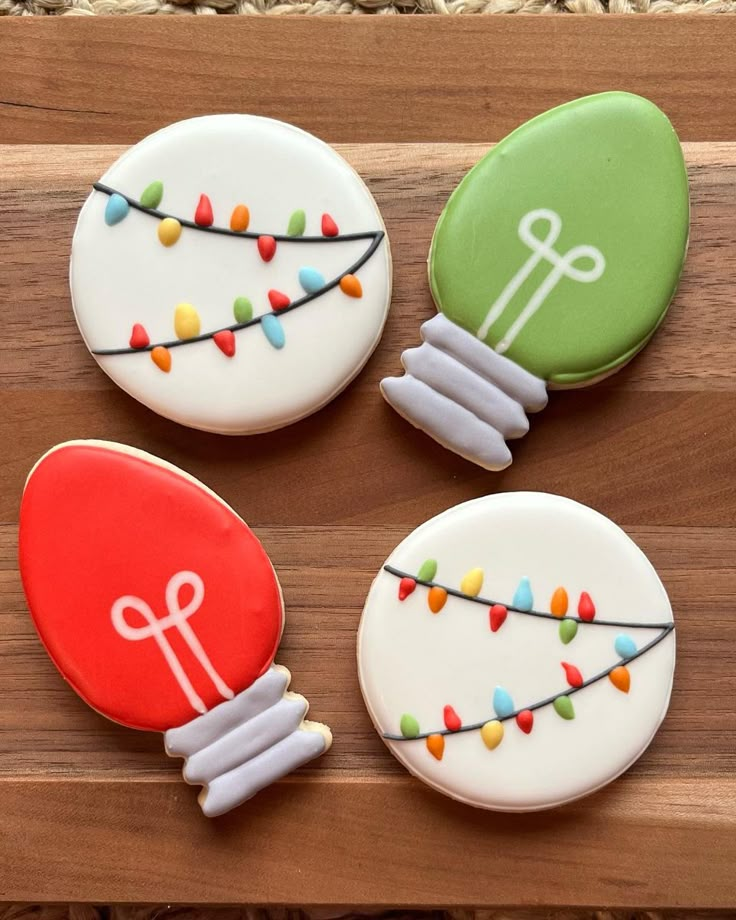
(231, 272)
(517, 652)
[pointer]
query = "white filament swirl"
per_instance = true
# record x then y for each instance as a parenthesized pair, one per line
(563, 265)
(176, 618)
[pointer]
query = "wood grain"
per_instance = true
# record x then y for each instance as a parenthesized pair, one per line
(95, 812)
(618, 446)
(116, 79)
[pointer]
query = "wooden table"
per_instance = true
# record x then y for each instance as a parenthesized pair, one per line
(95, 812)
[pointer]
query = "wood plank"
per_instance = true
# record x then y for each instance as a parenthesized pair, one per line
(325, 572)
(94, 812)
(116, 79)
(633, 843)
(619, 446)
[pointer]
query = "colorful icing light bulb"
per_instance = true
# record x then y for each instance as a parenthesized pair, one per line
(546, 277)
(162, 610)
(156, 232)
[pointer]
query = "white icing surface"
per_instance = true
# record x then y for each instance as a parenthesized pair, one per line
(413, 661)
(122, 275)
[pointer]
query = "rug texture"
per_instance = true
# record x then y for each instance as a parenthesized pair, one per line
(89, 912)
(331, 7)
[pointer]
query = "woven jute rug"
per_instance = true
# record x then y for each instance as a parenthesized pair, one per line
(84, 912)
(331, 7)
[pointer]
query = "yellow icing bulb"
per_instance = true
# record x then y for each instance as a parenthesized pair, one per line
(169, 231)
(472, 582)
(186, 321)
(492, 734)
(436, 746)
(558, 604)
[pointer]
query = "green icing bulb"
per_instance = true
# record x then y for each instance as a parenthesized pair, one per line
(409, 726)
(553, 263)
(297, 224)
(427, 570)
(564, 708)
(562, 248)
(242, 310)
(152, 195)
(568, 631)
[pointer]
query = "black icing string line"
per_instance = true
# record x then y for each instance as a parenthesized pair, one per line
(487, 602)
(376, 236)
(241, 234)
(569, 691)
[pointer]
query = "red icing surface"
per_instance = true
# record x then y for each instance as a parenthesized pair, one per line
(225, 341)
(573, 675)
(525, 720)
(329, 227)
(203, 215)
(452, 719)
(278, 300)
(406, 587)
(139, 337)
(97, 524)
(586, 607)
(497, 616)
(266, 247)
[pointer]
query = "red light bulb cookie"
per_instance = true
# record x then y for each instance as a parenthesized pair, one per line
(517, 652)
(231, 272)
(552, 265)
(162, 610)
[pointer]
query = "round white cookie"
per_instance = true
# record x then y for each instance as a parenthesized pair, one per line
(517, 651)
(231, 272)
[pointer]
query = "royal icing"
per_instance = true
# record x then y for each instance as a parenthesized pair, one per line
(162, 610)
(517, 651)
(559, 252)
(238, 296)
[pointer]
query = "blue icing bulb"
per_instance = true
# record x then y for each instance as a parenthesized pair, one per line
(116, 209)
(502, 703)
(311, 280)
(273, 330)
(523, 599)
(625, 646)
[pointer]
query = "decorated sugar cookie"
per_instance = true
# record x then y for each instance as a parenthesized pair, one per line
(552, 265)
(517, 651)
(162, 610)
(231, 272)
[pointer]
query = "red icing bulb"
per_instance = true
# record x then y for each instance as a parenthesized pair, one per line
(406, 587)
(573, 675)
(266, 247)
(525, 720)
(497, 616)
(453, 722)
(278, 300)
(139, 337)
(225, 341)
(203, 216)
(148, 560)
(586, 607)
(329, 227)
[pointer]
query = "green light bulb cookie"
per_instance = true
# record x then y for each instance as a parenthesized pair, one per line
(552, 264)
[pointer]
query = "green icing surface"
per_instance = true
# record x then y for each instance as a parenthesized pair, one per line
(152, 195)
(612, 168)
(297, 224)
